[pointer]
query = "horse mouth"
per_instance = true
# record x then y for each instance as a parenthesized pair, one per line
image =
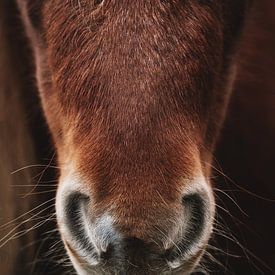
(139, 263)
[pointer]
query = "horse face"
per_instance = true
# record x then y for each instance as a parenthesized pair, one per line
(134, 93)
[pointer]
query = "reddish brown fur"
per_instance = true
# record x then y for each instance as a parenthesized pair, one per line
(247, 150)
(134, 93)
(135, 90)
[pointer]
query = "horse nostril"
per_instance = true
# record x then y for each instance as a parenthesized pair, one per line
(74, 213)
(195, 207)
(73, 207)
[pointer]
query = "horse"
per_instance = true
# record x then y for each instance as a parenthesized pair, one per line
(135, 94)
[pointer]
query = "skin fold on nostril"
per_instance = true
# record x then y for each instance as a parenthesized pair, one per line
(74, 218)
(195, 208)
(95, 240)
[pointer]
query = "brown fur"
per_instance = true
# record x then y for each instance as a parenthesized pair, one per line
(134, 89)
(135, 96)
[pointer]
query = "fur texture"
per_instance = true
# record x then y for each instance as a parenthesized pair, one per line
(135, 94)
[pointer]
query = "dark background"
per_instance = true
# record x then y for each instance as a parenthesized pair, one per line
(246, 153)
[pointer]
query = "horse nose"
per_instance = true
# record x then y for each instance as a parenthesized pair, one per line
(99, 236)
(98, 240)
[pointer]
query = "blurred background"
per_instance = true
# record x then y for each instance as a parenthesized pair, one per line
(246, 153)
(243, 171)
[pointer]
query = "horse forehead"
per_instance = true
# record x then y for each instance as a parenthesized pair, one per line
(116, 55)
(132, 71)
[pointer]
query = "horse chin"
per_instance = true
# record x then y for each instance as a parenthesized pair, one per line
(184, 268)
(87, 265)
